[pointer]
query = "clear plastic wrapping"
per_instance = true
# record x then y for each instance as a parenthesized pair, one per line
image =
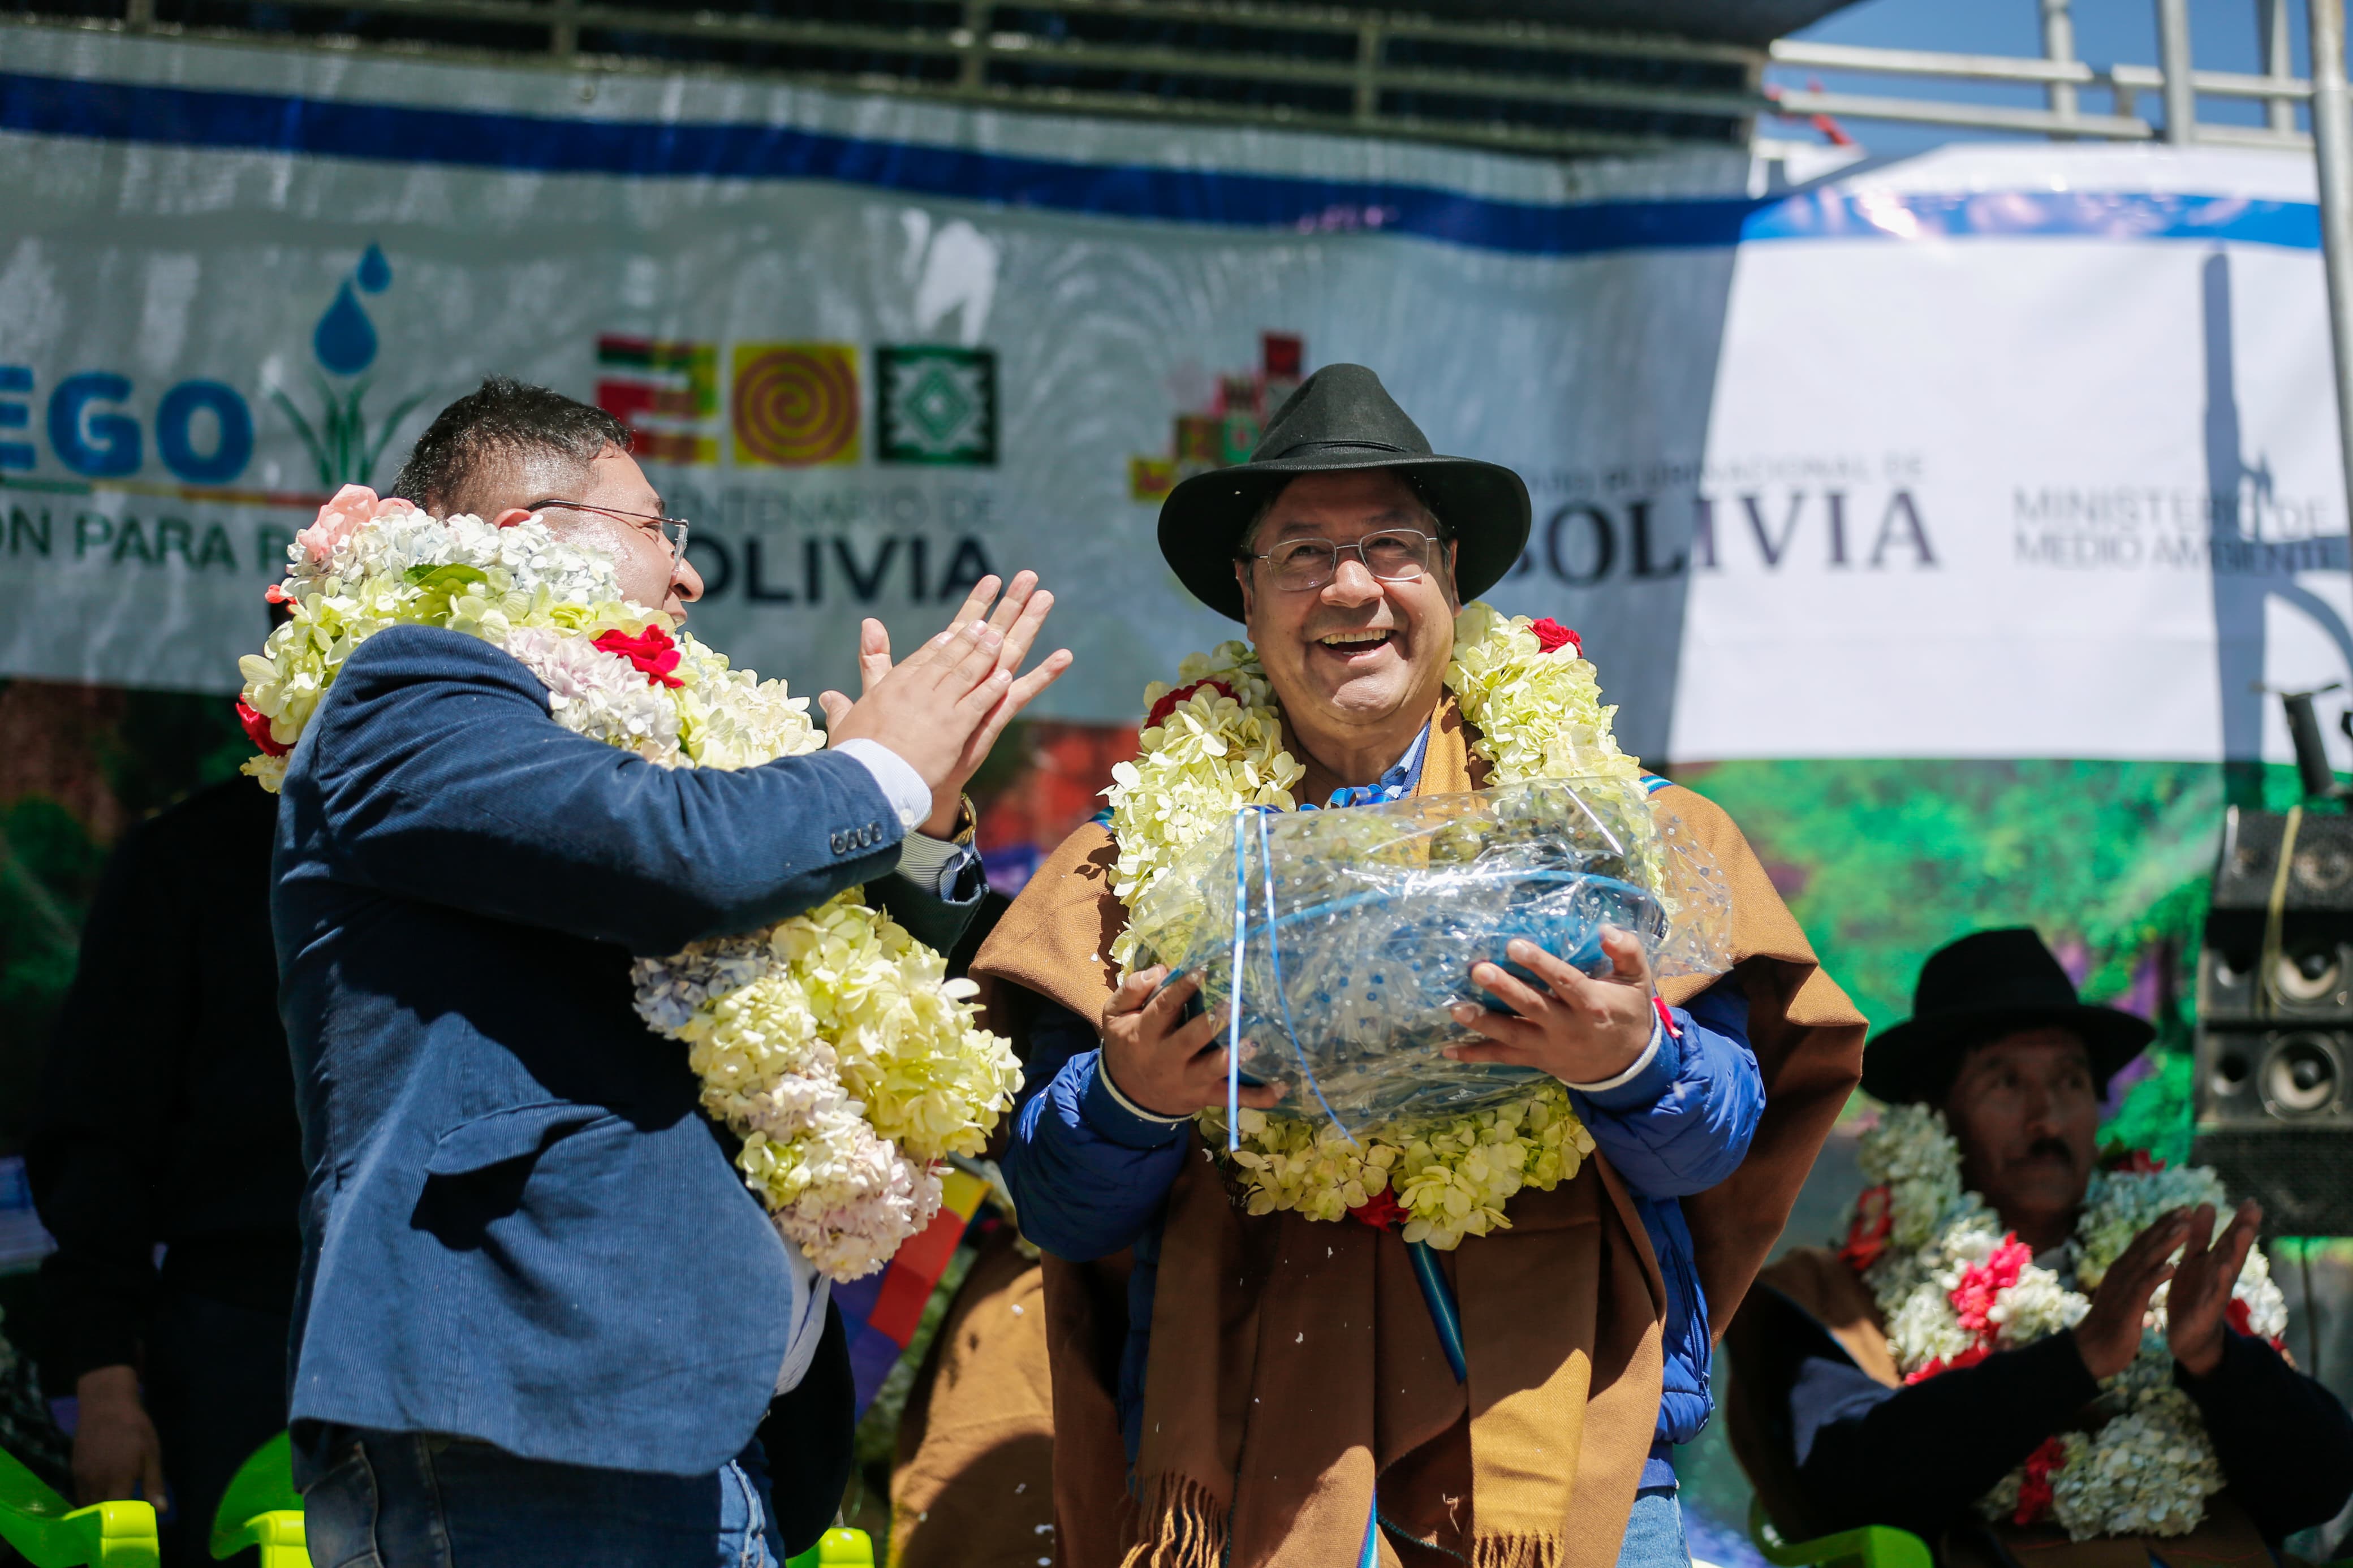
(1357, 929)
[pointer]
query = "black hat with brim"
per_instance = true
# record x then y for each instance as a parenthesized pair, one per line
(1977, 990)
(1342, 419)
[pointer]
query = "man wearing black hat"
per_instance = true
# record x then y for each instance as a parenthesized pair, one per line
(1348, 548)
(1833, 1437)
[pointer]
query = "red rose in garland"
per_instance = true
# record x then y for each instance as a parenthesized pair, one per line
(1167, 705)
(257, 729)
(1552, 637)
(650, 650)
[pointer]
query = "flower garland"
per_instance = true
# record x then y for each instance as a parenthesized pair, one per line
(1211, 745)
(832, 1044)
(1954, 1287)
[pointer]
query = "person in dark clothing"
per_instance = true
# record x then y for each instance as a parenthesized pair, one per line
(166, 1135)
(1833, 1435)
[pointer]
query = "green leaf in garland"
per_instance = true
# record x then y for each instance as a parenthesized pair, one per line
(441, 584)
(445, 577)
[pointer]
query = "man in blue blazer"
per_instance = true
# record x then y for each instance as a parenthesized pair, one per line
(539, 1318)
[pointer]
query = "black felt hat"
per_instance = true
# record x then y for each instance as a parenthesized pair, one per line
(1341, 419)
(1978, 989)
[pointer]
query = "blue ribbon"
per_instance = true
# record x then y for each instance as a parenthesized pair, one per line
(1445, 1316)
(1439, 1296)
(1274, 953)
(1234, 1003)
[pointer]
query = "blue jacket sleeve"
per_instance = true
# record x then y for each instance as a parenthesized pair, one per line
(1682, 1124)
(1087, 1173)
(432, 771)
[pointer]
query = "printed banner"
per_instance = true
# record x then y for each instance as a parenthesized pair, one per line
(2001, 451)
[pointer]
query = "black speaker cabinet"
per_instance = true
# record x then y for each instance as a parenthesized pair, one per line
(2320, 871)
(2302, 1175)
(2272, 1076)
(2274, 1045)
(2310, 978)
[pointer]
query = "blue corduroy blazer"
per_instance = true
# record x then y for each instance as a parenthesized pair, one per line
(517, 1226)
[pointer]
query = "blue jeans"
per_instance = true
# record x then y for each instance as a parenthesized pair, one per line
(412, 1500)
(1654, 1533)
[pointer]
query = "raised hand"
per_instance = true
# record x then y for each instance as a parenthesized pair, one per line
(1577, 1027)
(2109, 1336)
(2199, 1304)
(1162, 1062)
(908, 702)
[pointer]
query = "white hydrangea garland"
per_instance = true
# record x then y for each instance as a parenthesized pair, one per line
(832, 1044)
(1953, 1287)
(835, 1045)
(1212, 744)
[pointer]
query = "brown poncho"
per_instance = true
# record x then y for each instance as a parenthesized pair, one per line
(1293, 1361)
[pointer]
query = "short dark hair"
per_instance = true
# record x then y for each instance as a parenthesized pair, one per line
(501, 420)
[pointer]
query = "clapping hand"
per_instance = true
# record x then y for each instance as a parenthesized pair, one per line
(2109, 1335)
(944, 705)
(1578, 1027)
(2200, 1302)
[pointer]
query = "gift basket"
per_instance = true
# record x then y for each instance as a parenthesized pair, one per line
(1341, 938)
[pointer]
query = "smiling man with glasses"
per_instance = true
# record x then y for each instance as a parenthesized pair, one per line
(1346, 548)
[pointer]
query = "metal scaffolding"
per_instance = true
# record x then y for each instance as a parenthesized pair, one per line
(1354, 69)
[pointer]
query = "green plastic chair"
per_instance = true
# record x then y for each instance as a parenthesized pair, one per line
(838, 1549)
(52, 1534)
(261, 1508)
(1873, 1546)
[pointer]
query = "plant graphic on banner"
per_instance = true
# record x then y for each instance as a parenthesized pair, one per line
(1885, 861)
(344, 343)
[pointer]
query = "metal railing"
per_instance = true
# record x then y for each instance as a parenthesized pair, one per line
(2175, 82)
(1517, 85)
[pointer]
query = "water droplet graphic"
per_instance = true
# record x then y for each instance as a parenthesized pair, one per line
(345, 340)
(375, 272)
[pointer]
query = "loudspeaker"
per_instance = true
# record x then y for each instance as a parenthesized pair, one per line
(2310, 979)
(2266, 1077)
(2302, 1176)
(2274, 1043)
(2319, 875)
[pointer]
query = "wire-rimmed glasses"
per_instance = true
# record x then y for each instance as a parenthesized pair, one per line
(671, 529)
(1392, 554)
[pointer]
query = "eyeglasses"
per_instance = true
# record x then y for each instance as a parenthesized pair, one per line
(671, 529)
(1393, 555)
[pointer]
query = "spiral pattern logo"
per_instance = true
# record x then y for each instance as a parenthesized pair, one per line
(795, 405)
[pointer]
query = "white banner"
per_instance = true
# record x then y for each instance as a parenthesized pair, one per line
(2002, 451)
(2022, 451)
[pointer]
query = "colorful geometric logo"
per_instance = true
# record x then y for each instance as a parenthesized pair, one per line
(652, 384)
(935, 405)
(795, 405)
(1226, 431)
